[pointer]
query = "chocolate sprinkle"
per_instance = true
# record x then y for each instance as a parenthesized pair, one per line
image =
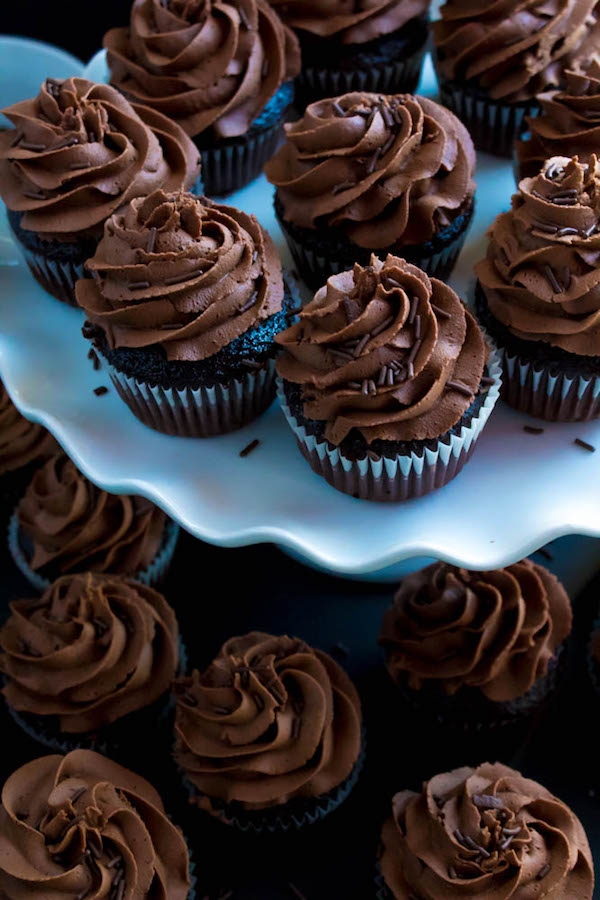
(543, 871)
(549, 273)
(248, 450)
(77, 167)
(179, 279)
(35, 195)
(151, 240)
(533, 429)
(100, 391)
(138, 285)
(248, 305)
(440, 313)
(251, 364)
(344, 186)
(35, 148)
(338, 110)
(589, 447)
(487, 801)
(93, 356)
(461, 388)
(545, 554)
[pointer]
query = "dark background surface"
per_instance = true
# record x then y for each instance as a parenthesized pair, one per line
(218, 593)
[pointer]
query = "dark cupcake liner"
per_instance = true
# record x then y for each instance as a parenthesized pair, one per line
(200, 412)
(392, 76)
(471, 711)
(151, 576)
(322, 253)
(232, 163)
(593, 663)
(57, 277)
(550, 389)
(291, 816)
(382, 892)
(119, 739)
(402, 477)
(494, 125)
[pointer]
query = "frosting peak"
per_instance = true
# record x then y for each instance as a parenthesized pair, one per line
(385, 169)
(496, 631)
(351, 23)
(203, 63)
(386, 350)
(488, 833)
(513, 49)
(269, 720)
(541, 276)
(80, 151)
(569, 122)
(182, 273)
(91, 650)
(74, 526)
(81, 825)
(21, 441)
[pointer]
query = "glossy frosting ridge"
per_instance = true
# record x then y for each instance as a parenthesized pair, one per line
(91, 650)
(388, 170)
(541, 275)
(386, 350)
(496, 631)
(80, 150)
(204, 63)
(80, 825)
(270, 720)
(182, 273)
(488, 833)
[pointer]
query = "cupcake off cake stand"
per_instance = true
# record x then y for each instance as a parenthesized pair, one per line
(518, 492)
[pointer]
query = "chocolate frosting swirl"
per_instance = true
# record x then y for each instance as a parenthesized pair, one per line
(354, 23)
(271, 719)
(568, 125)
(81, 151)
(21, 441)
(91, 650)
(74, 526)
(515, 49)
(386, 350)
(203, 63)
(488, 833)
(80, 825)
(496, 631)
(541, 276)
(183, 273)
(385, 169)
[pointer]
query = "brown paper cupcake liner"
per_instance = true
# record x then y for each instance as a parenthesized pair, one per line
(493, 124)
(316, 261)
(403, 477)
(232, 165)
(58, 278)
(199, 412)
(393, 77)
(531, 388)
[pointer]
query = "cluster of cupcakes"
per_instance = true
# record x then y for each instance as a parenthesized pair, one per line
(269, 736)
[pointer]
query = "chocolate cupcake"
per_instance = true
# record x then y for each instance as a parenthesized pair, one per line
(476, 650)
(568, 124)
(494, 58)
(371, 173)
(221, 70)
(66, 525)
(78, 152)
(80, 825)
(269, 736)
(90, 663)
(387, 381)
(186, 299)
(486, 832)
(366, 46)
(539, 292)
(24, 446)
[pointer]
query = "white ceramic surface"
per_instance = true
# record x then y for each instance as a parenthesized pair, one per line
(518, 492)
(24, 64)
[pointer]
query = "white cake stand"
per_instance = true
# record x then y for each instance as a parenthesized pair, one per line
(518, 492)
